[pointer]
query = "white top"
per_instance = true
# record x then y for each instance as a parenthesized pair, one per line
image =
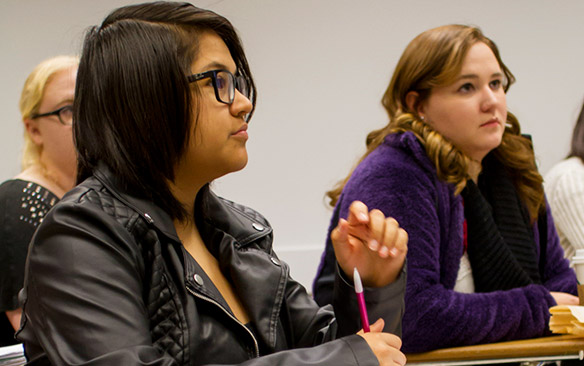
(464, 280)
(564, 187)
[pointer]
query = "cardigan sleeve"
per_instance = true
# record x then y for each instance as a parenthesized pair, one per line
(436, 316)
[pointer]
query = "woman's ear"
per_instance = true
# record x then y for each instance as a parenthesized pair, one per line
(411, 99)
(33, 131)
(413, 103)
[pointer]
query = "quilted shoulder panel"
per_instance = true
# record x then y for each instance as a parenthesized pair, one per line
(168, 327)
(110, 205)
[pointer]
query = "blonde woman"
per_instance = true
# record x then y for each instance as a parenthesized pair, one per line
(484, 261)
(48, 171)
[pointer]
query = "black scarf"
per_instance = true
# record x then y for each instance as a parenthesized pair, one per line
(501, 245)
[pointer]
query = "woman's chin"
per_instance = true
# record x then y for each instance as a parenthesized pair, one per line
(238, 165)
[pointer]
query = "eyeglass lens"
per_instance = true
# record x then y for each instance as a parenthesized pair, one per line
(66, 115)
(226, 85)
(241, 85)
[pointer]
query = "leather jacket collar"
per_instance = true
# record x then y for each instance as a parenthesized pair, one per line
(208, 207)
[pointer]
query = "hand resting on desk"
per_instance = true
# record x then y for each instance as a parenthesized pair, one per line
(563, 298)
(384, 345)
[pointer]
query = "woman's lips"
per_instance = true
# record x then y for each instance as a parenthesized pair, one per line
(491, 122)
(242, 132)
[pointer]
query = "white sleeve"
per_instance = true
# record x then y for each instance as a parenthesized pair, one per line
(566, 199)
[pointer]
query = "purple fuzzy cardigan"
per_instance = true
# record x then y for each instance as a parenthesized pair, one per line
(399, 179)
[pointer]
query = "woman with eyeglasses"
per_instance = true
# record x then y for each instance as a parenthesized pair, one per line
(484, 260)
(142, 264)
(48, 171)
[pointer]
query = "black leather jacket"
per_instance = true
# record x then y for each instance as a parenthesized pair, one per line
(109, 283)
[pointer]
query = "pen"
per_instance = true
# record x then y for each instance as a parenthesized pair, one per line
(361, 300)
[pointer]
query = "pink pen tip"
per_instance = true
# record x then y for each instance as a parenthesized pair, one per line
(357, 281)
(361, 300)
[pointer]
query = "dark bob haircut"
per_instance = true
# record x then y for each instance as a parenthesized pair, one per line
(577, 148)
(133, 103)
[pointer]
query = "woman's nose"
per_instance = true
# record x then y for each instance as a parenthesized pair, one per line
(490, 99)
(241, 105)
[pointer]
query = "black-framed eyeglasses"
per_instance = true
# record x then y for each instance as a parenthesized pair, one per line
(224, 84)
(65, 115)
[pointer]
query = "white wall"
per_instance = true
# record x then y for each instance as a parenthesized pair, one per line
(321, 67)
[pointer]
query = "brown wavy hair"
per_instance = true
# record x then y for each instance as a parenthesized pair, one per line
(434, 58)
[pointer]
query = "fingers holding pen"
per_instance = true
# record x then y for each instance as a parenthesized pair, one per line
(358, 214)
(377, 232)
(371, 242)
(388, 233)
(400, 241)
(355, 229)
(386, 347)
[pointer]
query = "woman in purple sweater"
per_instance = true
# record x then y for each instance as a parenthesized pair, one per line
(452, 167)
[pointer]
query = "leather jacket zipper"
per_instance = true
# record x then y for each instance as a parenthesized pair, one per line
(255, 342)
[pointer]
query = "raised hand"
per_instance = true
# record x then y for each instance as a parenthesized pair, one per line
(376, 245)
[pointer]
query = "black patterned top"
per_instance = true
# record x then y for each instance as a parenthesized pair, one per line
(23, 205)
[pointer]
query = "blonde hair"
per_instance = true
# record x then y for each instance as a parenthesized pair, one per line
(435, 58)
(32, 96)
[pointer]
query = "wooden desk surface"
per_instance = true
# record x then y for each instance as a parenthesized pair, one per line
(549, 346)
